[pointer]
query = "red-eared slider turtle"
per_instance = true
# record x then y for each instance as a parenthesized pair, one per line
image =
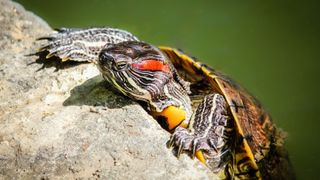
(211, 117)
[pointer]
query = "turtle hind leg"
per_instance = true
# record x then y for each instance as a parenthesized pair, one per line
(68, 44)
(207, 132)
(82, 45)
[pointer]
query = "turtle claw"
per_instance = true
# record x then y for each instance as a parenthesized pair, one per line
(176, 141)
(193, 150)
(49, 38)
(213, 146)
(192, 156)
(180, 148)
(49, 55)
(171, 142)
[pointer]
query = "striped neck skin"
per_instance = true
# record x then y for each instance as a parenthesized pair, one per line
(142, 72)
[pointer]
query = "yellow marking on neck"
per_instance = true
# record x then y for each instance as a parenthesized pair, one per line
(174, 116)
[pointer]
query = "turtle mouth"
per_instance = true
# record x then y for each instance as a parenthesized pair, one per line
(151, 65)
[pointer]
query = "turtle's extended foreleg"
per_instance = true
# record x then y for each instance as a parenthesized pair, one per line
(207, 132)
(82, 44)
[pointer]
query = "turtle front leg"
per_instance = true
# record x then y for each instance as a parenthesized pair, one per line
(207, 133)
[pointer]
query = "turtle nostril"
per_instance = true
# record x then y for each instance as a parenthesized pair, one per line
(105, 58)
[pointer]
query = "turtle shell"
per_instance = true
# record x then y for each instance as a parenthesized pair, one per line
(257, 140)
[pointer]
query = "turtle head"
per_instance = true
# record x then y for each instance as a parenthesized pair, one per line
(133, 55)
(142, 72)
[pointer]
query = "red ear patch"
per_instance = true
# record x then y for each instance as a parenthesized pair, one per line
(152, 65)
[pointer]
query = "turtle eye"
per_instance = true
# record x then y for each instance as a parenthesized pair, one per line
(121, 65)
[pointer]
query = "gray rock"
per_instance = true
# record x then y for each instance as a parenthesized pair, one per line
(68, 123)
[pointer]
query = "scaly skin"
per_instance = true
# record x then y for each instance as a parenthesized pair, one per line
(83, 44)
(229, 131)
(142, 72)
(86, 44)
(207, 133)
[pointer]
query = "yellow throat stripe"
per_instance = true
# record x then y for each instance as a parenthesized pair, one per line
(173, 116)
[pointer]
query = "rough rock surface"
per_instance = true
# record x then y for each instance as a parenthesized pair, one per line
(68, 123)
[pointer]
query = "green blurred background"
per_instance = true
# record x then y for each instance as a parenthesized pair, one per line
(270, 47)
